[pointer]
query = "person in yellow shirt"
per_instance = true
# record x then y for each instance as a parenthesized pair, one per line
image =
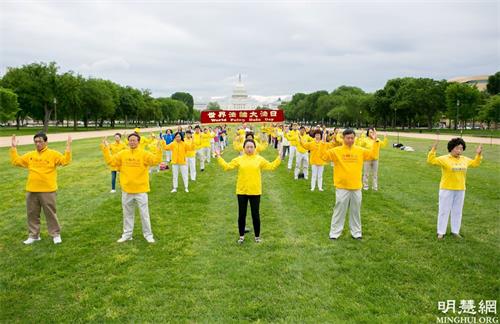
(249, 184)
(115, 147)
(238, 143)
(452, 187)
(191, 155)
(198, 145)
(317, 163)
(133, 164)
(302, 160)
(370, 167)
(292, 137)
(348, 163)
(179, 149)
(42, 184)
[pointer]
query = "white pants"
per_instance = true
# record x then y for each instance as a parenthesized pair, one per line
(200, 154)
(450, 202)
(293, 150)
(346, 199)
(317, 175)
(184, 174)
(128, 206)
(212, 148)
(206, 152)
(191, 163)
(168, 156)
(370, 168)
(302, 161)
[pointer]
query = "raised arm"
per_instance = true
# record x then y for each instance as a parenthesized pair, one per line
(151, 159)
(66, 158)
(431, 156)
(477, 160)
(266, 165)
(112, 160)
(15, 159)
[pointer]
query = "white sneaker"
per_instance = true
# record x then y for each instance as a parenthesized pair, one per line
(124, 239)
(112, 191)
(312, 189)
(150, 239)
(57, 239)
(186, 190)
(31, 240)
(320, 189)
(174, 190)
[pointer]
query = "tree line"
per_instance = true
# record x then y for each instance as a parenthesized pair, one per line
(41, 92)
(403, 102)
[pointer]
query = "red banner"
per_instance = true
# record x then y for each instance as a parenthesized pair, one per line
(241, 116)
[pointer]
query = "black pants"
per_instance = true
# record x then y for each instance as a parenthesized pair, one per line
(242, 213)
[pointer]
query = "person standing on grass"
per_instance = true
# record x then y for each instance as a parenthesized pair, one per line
(347, 167)
(114, 148)
(302, 159)
(191, 155)
(452, 187)
(317, 163)
(370, 167)
(179, 150)
(41, 187)
(249, 184)
(133, 164)
(168, 138)
(292, 139)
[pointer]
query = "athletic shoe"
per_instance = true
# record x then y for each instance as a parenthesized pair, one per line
(174, 190)
(150, 239)
(112, 191)
(321, 189)
(124, 239)
(312, 189)
(440, 236)
(359, 238)
(333, 238)
(258, 239)
(241, 239)
(57, 239)
(186, 190)
(456, 235)
(31, 240)
(365, 188)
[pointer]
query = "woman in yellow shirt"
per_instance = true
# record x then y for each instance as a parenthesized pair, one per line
(317, 163)
(452, 187)
(370, 167)
(249, 184)
(114, 148)
(180, 150)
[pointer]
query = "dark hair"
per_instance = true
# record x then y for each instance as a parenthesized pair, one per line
(348, 131)
(249, 140)
(250, 134)
(317, 132)
(454, 142)
(197, 126)
(42, 135)
(302, 127)
(180, 134)
(368, 131)
(118, 134)
(169, 130)
(189, 132)
(136, 135)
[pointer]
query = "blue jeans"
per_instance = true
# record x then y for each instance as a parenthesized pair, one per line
(113, 180)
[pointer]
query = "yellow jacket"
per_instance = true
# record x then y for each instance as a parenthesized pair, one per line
(367, 143)
(249, 178)
(315, 148)
(42, 175)
(197, 140)
(179, 150)
(292, 137)
(115, 148)
(453, 170)
(133, 165)
(259, 146)
(348, 164)
(304, 139)
(205, 139)
(191, 152)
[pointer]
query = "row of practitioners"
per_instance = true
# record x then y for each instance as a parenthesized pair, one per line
(133, 164)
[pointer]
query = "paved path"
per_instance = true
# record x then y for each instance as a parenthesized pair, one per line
(5, 141)
(443, 137)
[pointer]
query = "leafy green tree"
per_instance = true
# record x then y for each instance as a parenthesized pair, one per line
(187, 99)
(462, 101)
(493, 86)
(69, 97)
(97, 100)
(490, 112)
(8, 105)
(213, 106)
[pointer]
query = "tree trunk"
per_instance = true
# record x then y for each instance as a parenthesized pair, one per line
(18, 117)
(46, 118)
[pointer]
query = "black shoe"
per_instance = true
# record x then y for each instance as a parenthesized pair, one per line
(202, 170)
(359, 238)
(333, 238)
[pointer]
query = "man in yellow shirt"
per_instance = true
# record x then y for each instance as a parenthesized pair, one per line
(133, 164)
(42, 184)
(292, 137)
(198, 137)
(302, 159)
(370, 167)
(348, 165)
(249, 184)
(452, 187)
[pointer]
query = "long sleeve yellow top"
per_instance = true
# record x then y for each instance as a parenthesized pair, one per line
(115, 148)
(42, 167)
(292, 137)
(197, 141)
(179, 150)
(367, 143)
(133, 165)
(315, 149)
(348, 164)
(249, 172)
(191, 152)
(453, 170)
(304, 139)
(205, 139)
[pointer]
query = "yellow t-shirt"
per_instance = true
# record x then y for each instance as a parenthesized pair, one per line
(453, 170)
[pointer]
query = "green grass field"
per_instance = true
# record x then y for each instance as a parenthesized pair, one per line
(8, 131)
(197, 273)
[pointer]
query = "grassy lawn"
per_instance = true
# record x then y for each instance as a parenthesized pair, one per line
(197, 273)
(8, 131)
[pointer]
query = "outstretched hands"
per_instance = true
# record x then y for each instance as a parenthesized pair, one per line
(479, 149)
(14, 141)
(105, 141)
(68, 143)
